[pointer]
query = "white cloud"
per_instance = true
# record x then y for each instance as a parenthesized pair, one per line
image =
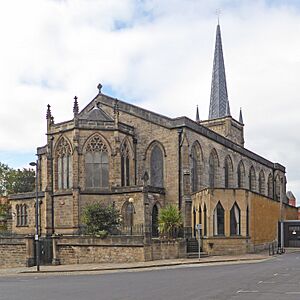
(157, 54)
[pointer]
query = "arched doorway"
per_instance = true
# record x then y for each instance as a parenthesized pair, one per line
(155, 221)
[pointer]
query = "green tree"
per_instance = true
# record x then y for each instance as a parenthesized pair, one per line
(4, 174)
(16, 181)
(100, 219)
(4, 211)
(169, 220)
(21, 181)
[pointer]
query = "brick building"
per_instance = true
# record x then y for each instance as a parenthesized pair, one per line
(115, 152)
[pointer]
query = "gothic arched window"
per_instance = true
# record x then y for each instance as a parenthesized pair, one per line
(156, 167)
(155, 221)
(228, 172)
(252, 179)
(247, 222)
(128, 214)
(195, 167)
(213, 168)
(270, 186)
(22, 215)
(125, 165)
(96, 164)
(64, 164)
(194, 221)
(235, 220)
(241, 175)
(277, 187)
(204, 220)
(261, 182)
(219, 224)
(18, 216)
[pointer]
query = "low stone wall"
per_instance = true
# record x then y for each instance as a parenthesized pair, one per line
(226, 245)
(14, 252)
(165, 249)
(115, 249)
(81, 249)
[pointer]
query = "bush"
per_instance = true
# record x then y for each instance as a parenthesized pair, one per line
(169, 220)
(100, 219)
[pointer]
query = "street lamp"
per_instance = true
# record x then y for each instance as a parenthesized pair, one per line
(36, 237)
(131, 211)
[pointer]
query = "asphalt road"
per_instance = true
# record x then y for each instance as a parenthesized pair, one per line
(278, 278)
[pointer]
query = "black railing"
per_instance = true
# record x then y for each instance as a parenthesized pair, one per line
(136, 229)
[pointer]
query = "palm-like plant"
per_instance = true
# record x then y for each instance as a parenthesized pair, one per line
(169, 220)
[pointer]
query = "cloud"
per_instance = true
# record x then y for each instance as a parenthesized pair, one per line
(157, 54)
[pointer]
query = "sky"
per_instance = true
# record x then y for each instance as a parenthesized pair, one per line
(157, 54)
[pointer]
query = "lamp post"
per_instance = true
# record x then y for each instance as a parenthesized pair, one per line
(36, 237)
(132, 211)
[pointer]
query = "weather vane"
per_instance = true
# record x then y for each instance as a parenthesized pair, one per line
(218, 13)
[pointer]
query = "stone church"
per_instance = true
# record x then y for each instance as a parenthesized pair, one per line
(117, 153)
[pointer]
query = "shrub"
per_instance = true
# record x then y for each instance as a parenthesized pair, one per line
(169, 220)
(100, 219)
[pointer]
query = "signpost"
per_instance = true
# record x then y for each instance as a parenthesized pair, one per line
(198, 227)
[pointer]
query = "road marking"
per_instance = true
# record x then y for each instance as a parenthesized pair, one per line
(242, 291)
(275, 274)
(266, 282)
(293, 293)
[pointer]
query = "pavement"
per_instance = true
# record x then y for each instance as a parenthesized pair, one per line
(101, 267)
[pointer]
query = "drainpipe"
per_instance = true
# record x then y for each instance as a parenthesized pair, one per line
(179, 131)
(135, 161)
(52, 185)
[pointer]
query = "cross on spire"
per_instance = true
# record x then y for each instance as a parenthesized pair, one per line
(75, 107)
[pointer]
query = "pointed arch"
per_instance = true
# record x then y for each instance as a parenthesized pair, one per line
(235, 220)
(213, 168)
(252, 179)
(128, 212)
(151, 146)
(270, 186)
(219, 219)
(157, 165)
(261, 182)
(96, 156)
(126, 162)
(63, 163)
(228, 172)
(96, 142)
(241, 175)
(196, 158)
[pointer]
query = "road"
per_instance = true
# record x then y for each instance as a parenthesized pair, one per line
(278, 278)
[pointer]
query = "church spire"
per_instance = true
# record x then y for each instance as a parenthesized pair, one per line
(197, 115)
(219, 104)
(241, 117)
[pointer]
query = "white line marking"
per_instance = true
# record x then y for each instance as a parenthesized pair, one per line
(242, 291)
(275, 274)
(266, 282)
(292, 293)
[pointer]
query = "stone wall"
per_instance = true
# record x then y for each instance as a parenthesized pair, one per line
(115, 249)
(165, 249)
(265, 215)
(15, 252)
(226, 245)
(80, 250)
